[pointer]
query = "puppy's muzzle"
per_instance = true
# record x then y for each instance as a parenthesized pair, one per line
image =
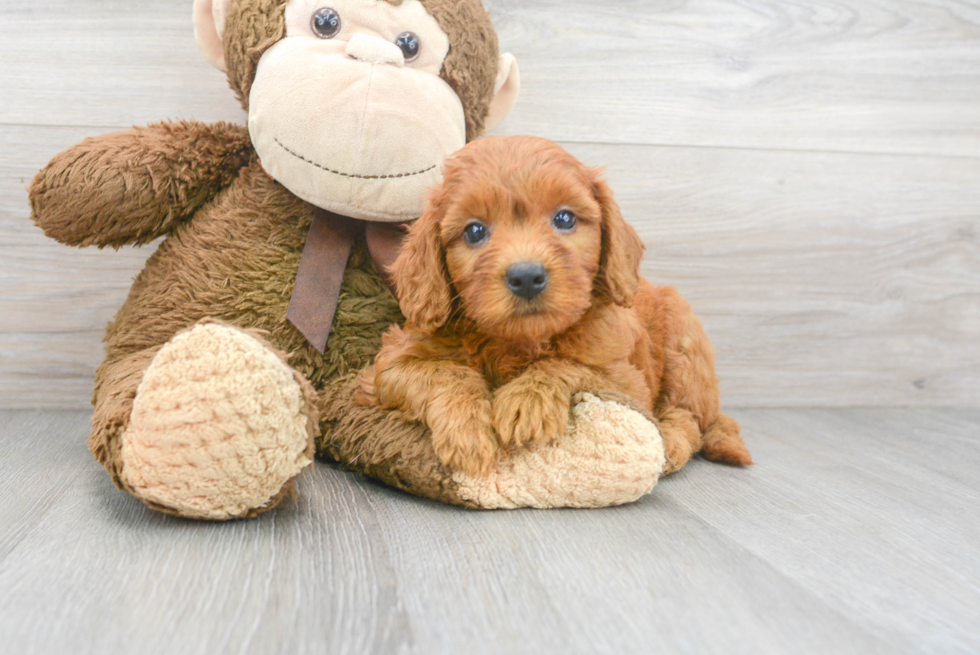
(527, 280)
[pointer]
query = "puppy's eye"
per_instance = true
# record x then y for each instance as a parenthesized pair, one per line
(564, 221)
(410, 45)
(325, 23)
(475, 233)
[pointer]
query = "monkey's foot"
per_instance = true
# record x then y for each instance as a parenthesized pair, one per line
(220, 426)
(609, 455)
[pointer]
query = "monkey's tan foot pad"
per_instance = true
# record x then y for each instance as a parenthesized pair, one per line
(219, 427)
(610, 455)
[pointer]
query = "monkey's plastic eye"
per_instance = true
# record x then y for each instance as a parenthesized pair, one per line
(476, 232)
(326, 23)
(564, 220)
(410, 44)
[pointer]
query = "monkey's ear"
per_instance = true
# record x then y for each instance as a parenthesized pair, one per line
(622, 249)
(419, 274)
(209, 28)
(505, 91)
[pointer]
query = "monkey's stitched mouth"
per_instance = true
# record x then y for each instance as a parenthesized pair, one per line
(359, 177)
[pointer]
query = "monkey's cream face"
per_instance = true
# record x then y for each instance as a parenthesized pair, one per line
(348, 110)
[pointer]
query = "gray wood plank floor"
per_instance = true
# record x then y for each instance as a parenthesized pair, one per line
(856, 533)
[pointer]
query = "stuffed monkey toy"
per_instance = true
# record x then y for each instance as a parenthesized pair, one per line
(235, 358)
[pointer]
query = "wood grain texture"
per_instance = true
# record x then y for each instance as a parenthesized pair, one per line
(868, 75)
(898, 76)
(805, 175)
(855, 533)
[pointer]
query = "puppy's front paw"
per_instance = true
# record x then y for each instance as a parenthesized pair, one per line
(525, 413)
(472, 449)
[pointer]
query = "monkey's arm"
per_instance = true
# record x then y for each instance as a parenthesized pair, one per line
(134, 186)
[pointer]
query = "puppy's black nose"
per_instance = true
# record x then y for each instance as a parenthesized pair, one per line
(527, 279)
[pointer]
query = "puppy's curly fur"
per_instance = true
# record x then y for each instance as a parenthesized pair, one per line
(491, 370)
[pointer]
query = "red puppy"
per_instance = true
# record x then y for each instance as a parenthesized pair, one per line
(521, 288)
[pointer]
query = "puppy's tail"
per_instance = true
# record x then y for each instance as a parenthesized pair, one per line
(723, 444)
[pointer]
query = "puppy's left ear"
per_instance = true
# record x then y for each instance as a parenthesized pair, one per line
(622, 249)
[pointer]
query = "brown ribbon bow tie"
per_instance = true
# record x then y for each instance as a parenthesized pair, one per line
(313, 305)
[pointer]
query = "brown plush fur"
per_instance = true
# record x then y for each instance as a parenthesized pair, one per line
(485, 369)
(471, 66)
(132, 187)
(252, 27)
(236, 262)
(233, 244)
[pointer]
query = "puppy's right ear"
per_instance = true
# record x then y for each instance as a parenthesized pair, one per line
(420, 275)
(209, 29)
(622, 248)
